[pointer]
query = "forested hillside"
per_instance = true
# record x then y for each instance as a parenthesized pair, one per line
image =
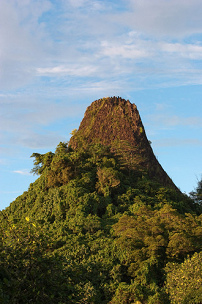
(100, 226)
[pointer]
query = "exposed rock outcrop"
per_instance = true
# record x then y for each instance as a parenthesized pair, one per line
(116, 122)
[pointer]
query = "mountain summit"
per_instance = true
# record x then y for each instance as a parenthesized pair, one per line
(116, 122)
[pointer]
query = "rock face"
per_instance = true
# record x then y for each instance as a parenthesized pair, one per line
(116, 122)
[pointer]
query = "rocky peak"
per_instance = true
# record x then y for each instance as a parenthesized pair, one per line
(116, 122)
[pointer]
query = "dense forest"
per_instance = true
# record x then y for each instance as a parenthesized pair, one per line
(96, 227)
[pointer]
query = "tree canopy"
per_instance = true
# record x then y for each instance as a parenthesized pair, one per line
(94, 229)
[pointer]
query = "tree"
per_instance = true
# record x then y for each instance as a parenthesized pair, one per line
(29, 271)
(197, 194)
(108, 178)
(41, 162)
(184, 281)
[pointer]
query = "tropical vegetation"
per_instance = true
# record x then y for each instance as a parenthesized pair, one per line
(93, 229)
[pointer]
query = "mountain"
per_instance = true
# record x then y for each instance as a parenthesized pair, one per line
(103, 223)
(116, 122)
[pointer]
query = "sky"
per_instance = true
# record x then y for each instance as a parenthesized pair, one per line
(58, 56)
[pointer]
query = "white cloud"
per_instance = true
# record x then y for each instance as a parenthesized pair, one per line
(77, 3)
(21, 41)
(170, 120)
(85, 4)
(85, 43)
(22, 172)
(22, 112)
(190, 51)
(10, 192)
(165, 18)
(75, 70)
(130, 51)
(35, 140)
(177, 142)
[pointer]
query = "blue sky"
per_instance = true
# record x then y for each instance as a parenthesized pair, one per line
(57, 56)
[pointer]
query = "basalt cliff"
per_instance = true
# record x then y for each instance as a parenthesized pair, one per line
(116, 122)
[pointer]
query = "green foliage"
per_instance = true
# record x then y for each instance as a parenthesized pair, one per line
(93, 228)
(197, 194)
(149, 239)
(108, 178)
(41, 162)
(184, 281)
(30, 273)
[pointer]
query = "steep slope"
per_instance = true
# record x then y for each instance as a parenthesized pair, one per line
(116, 122)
